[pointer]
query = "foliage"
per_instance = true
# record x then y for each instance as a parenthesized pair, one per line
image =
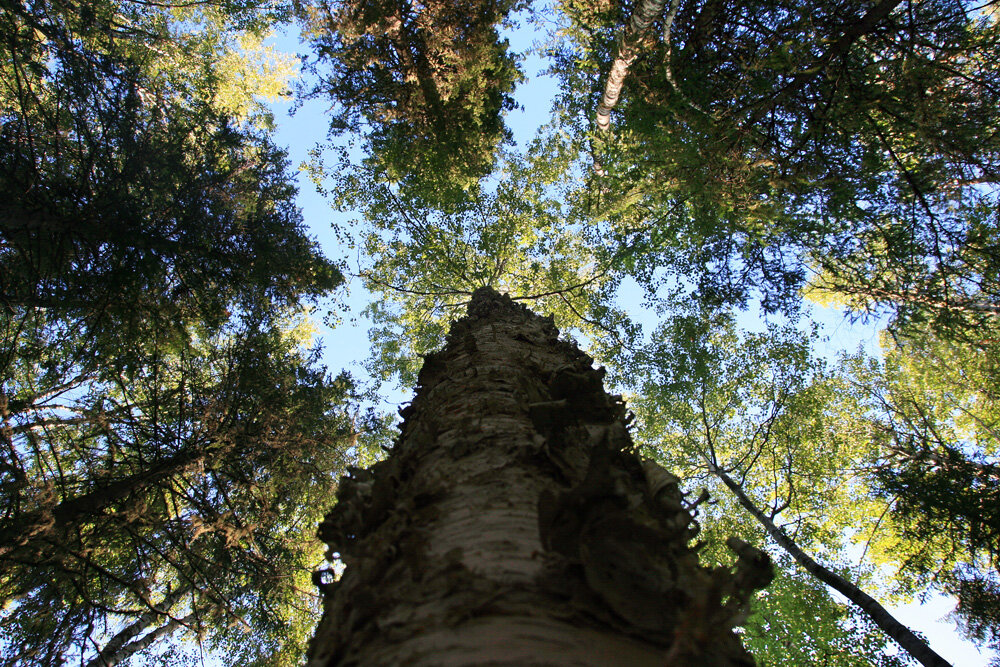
(763, 147)
(760, 409)
(934, 402)
(162, 420)
(765, 140)
(978, 610)
(423, 264)
(189, 483)
(168, 438)
(129, 204)
(797, 622)
(428, 81)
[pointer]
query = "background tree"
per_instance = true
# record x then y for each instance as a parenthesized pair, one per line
(428, 83)
(758, 417)
(758, 147)
(629, 48)
(127, 203)
(934, 404)
(796, 621)
(762, 140)
(424, 263)
(172, 495)
(161, 426)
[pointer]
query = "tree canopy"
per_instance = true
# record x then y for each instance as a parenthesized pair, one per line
(755, 153)
(427, 83)
(166, 421)
(776, 141)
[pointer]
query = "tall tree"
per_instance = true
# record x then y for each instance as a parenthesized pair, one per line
(168, 496)
(756, 413)
(131, 201)
(424, 263)
(933, 403)
(512, 522)
(159, 422)
(430, 81)
(762, 140)
(628, 49)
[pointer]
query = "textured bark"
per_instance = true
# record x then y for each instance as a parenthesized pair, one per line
(513, 524)
(880, 616)
(628, 50)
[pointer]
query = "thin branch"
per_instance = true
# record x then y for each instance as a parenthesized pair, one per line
(902, 635)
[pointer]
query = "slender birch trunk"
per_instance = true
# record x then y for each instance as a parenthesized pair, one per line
(513, 524)
(628, 50)
(902, 635)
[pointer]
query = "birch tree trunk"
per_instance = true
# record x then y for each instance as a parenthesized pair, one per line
(628, 50)
(513, 524)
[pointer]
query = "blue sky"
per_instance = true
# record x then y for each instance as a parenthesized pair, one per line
(347, 345)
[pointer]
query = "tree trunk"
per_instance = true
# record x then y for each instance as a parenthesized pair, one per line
(643, 15)
(880, 616)
(513, 524)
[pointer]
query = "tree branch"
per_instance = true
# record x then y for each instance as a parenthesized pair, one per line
(902, 635)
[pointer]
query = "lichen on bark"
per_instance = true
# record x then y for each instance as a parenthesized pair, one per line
(514, 523)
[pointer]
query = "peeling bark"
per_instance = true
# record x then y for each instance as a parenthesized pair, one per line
(513, 524)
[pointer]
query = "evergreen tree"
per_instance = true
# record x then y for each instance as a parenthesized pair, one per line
(163, 420)
(428, 83)
(756, 143)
